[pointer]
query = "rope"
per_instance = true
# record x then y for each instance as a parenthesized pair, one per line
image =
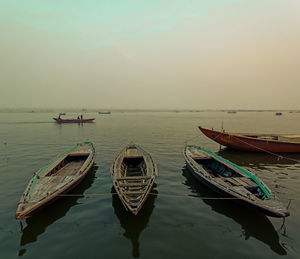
(269, 152)
(154, 194)
(198, 135)
(186, 141)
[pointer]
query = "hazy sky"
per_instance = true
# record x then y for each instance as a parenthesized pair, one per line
(198, 54)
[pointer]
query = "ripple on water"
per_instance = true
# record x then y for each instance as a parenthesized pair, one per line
(175, 223)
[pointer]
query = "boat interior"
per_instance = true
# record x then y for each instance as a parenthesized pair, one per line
(263, 137)
(229, 177)
(70, 165)
(282, 138)
(133, 166)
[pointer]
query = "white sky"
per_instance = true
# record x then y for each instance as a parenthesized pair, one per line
(221, 54)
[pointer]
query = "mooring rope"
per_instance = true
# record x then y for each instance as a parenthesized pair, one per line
(269, 152)
(260, 149)
(156, 194)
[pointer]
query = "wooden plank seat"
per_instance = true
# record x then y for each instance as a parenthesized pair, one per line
(133, 178)
(201, 157)
(233, 182)
(134, 192)
(132, 184)
(247, 181)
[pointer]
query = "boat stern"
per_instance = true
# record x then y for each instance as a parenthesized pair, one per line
(276, 208)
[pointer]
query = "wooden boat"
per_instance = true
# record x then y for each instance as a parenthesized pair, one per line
(56, 178)
(108, 112)
(230, 180)
(255, 142)
(133, 173)
(73, 120)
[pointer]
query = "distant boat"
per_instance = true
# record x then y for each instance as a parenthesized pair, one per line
(108, 112)
(230, 180)
(231, 112)
(56, 178)
(73, 120)
(278, 113)
(255, 142)
(133, 173)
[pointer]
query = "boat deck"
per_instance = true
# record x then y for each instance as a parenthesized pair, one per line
(49, 184)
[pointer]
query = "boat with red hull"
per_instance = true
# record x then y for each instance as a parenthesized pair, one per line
(73, 120)
(277, 143)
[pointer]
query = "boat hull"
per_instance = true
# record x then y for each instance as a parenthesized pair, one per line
(224, 192)
(240, 142)
(23, 214)
(134, 190)
(73, 121)
(239, 201)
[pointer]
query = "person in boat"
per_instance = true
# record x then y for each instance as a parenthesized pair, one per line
(78, 118)
(81, 116)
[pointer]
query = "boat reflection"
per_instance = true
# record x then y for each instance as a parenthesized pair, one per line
(259, 160)
(134, 224)
(253, 224)
(38, 223)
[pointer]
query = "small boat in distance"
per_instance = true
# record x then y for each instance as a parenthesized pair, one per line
(230, 180)
(278, 113)
(276, 143)
(133, 174)
(56, 178)
(108, 112)
(73, 120)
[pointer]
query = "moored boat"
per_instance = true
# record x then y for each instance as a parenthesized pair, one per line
(56, 178)
(104, 112)
(73, 120)
(255, 142)
(133, 174)
(230, 180)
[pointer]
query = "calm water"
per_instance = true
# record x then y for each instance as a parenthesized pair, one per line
(175, 223)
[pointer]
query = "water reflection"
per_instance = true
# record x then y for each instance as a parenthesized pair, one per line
(259, 159)
(253, 224)
(38, 223)
(132, 224)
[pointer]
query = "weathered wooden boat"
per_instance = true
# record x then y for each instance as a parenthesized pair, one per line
(73, 120)
(133, 173)
(56, 178)
(230, 180)
(255, 142)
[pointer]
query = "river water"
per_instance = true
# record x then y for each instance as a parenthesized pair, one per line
(177, 222)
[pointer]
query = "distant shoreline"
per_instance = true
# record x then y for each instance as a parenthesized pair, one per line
(49, 110)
